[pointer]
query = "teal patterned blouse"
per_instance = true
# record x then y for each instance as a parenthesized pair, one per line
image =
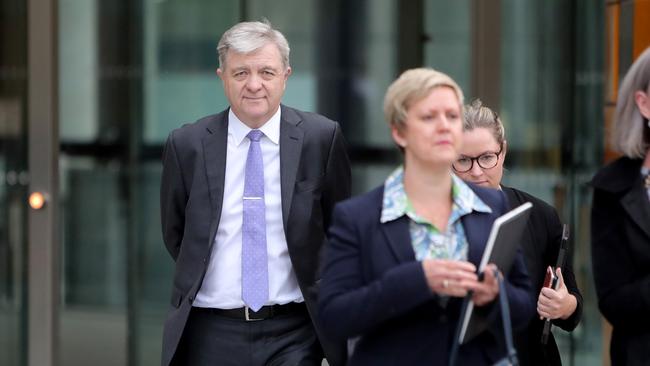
(429, 242)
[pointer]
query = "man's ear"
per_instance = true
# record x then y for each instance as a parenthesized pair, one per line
(643, 103)
(505, 150)
(219, 72)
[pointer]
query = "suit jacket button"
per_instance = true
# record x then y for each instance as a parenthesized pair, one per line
(190, 299)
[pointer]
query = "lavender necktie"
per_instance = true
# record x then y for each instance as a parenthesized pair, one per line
(255, 277)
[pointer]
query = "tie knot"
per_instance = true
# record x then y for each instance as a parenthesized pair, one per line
(255, 135)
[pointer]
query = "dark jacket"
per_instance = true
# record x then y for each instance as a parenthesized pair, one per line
(620, 243)
(541, 245)
(314, 175)
(373, 287)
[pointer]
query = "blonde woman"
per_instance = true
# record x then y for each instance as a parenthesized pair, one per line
(402, 256)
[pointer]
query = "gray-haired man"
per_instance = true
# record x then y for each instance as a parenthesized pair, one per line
(246, 197)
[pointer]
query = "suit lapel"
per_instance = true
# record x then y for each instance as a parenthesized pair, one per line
(291, 138)
(476, 234)
(215, 146)
(399, 239)
(635, 202)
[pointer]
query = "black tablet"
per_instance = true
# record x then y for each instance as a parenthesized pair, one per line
(501, 249)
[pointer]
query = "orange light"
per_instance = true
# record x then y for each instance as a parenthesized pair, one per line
(36, 200)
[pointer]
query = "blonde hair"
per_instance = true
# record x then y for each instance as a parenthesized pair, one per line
(630, 126)
(411, 86)
(479, 116)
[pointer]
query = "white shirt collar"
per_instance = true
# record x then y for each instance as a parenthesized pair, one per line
(239, 130)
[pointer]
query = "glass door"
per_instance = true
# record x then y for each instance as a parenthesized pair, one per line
(13, 182)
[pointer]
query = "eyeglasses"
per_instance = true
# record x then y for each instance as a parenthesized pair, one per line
(486, 160)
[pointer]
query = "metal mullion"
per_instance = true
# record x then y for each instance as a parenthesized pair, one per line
(43, 238)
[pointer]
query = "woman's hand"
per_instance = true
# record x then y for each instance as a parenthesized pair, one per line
(450, 277)
(553, 304)
(488, 289)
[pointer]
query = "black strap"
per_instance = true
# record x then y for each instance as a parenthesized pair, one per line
(505, 316)
(507, 326)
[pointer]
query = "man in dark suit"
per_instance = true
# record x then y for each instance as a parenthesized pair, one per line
(246, 197)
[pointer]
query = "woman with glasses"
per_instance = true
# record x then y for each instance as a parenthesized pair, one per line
(402, 257)
(481, 162)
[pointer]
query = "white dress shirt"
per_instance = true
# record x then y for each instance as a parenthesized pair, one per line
(221, 286)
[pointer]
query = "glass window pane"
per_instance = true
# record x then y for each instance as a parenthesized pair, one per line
(13, 182)
(95, 230)
(132, 71)
(534, 111)
(78, 71)
(449, 40)
(381, 63)
(96, 76)
(94, 268)
(297, 21)
(180, 62)
(155, 269)
(180, 85)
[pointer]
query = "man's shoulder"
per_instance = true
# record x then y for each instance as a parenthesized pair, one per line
(362, 205)
(307, 119)
(199, 127)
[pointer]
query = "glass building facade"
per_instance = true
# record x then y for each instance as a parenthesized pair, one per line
(126, 72)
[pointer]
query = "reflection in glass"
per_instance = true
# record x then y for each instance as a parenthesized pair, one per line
(132, 71)
(14, 181)
(180, 62)
(449, 47)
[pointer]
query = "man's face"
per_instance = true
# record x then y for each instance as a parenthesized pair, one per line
(254, 83)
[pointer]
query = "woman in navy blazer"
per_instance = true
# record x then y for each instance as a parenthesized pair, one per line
(403, 256)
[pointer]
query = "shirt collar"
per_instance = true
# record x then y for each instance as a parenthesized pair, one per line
(239, 130)
(465, 197)
(395, 202)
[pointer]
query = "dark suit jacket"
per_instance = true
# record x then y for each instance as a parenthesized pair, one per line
(315, 174)
(541, 245)
(374, 288)
(620, 247)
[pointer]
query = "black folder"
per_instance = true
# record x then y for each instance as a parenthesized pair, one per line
(501, 249)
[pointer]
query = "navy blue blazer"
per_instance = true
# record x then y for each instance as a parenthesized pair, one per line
(373, 288)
